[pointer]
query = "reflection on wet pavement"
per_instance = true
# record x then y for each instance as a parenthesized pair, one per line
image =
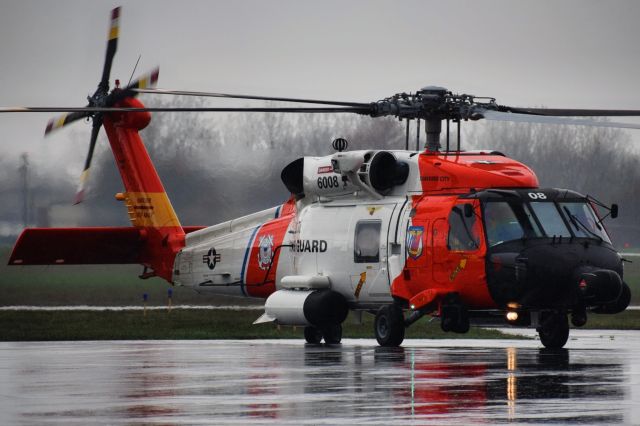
(247, 382)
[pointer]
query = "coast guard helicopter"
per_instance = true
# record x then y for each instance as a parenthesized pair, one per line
(465, 236)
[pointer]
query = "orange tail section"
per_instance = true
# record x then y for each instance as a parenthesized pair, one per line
(147, 203)
(157, 235)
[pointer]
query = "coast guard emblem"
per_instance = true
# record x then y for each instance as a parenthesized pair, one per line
(414, 241)
(265, 251)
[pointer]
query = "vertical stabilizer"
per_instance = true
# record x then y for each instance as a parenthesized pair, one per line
(146, 200)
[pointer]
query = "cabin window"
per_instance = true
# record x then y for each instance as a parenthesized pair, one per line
(463, 231)
(367, 242)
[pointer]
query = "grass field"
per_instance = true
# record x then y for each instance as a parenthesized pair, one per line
(216, 324)
(94, 285)
(181, 324)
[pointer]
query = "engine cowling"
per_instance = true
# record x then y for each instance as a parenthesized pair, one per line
(375, 172)
(383, 171)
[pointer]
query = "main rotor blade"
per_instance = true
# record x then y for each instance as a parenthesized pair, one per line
(64, 120)
(145, 81)
(97, 123)
(542, 119)
(112, 46)
(572, 112)
(261, 98)
(89, 110)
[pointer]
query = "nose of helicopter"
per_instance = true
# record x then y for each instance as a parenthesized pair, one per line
(546, 275)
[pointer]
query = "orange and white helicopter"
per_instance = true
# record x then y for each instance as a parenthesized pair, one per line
(466, 236)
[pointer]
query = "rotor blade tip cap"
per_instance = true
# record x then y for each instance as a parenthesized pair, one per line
(149, 80)
(115, 17)
(55, 123)
(154, 76)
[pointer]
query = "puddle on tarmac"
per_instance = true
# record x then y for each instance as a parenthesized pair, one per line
(596, 381)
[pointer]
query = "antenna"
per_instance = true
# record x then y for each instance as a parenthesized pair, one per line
(134, 69)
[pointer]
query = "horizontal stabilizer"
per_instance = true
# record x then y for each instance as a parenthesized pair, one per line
(81, 246)
(78, 246)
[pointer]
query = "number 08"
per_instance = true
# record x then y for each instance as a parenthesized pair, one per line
(537, 195)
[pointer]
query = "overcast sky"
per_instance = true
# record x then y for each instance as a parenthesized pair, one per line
(582, 54)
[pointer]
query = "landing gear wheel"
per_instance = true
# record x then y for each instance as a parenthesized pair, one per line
(312, 335)
(554, 330)
(389, 326)
(332, 334)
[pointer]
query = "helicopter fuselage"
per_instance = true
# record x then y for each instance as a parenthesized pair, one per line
(382, 227)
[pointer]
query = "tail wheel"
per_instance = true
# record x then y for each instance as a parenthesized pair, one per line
(389, 326)
(312, 335)
(332, 334)
(554, 330)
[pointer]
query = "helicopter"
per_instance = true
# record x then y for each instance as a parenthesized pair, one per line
(468, 237)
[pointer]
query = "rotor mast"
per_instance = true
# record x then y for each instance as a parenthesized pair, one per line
(433, 125)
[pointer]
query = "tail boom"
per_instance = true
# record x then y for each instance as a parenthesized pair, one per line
(147, 203)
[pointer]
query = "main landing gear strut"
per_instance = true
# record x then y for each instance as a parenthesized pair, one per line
(332, 334)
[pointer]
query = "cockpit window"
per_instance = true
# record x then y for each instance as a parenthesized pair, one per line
(584, 222)
(463, 230)
(501, 223)
(550, 219)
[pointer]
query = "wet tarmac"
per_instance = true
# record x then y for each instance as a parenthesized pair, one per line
(595, 381)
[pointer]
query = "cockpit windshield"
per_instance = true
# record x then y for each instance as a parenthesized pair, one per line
(508, 220)
(583, 220)
(550, 219)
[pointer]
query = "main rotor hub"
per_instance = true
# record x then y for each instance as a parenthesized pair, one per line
(433, 90)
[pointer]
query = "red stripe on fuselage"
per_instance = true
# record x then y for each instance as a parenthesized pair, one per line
(264, 255)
